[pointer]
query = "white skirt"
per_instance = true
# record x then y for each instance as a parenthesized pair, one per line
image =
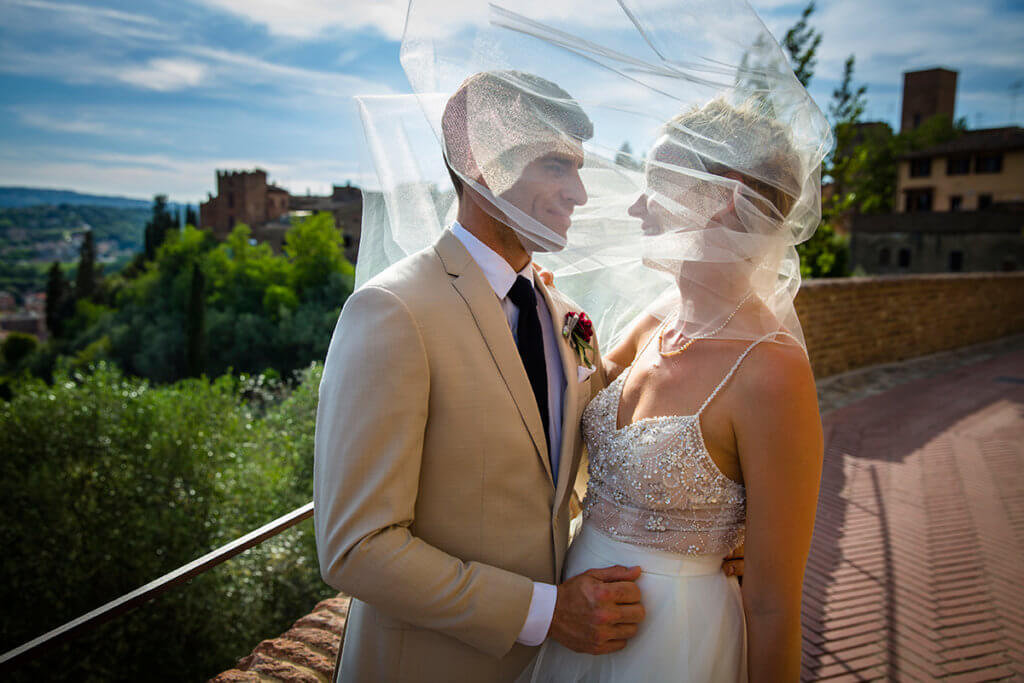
(694, 629)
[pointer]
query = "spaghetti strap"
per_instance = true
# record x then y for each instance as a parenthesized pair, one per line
(736, 365)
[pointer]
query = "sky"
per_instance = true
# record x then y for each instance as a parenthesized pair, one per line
(142, 97)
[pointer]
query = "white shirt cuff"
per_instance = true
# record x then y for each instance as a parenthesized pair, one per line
(538, 620)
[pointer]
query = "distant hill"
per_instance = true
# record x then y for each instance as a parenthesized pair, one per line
(16, 197)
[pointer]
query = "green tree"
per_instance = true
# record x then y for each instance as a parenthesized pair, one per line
(190, 217)
(316, 249)
(826, 254)
(107, 482)
(802, 42)
(195, 323)
(625, 158)
(56, 293)
(85, 280)
(158, 226)
(16, 347)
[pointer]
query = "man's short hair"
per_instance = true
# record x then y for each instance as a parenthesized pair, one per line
(547, 104)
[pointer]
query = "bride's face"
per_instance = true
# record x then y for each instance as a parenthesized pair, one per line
(678, 197)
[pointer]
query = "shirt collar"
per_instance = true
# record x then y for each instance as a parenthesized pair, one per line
(496, 269)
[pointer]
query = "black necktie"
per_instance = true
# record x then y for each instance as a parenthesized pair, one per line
(531, 345)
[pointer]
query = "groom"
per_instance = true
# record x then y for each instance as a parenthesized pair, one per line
(447, 434)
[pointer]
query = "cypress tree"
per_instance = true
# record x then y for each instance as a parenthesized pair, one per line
(56, 290)
(85, 282)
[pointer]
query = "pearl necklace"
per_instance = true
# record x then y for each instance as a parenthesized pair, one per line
(676, 352)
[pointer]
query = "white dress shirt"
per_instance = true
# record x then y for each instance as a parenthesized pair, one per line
(501, 277)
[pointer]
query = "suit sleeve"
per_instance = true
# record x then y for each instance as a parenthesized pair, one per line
(371, 417)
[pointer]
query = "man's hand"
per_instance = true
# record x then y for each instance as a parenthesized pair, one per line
(597, 611)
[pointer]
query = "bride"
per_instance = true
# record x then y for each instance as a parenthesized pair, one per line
(708, 433)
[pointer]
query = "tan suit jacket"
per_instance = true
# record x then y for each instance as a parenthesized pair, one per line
(435, 506)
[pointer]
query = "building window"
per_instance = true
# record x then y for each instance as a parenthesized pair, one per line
(956, 202)
(904, 259)
(958, 166)
(920, 168)
(231, 200)
(956, 261)
(884, 256)
(988, 163)
(984, 201)
(919, 200)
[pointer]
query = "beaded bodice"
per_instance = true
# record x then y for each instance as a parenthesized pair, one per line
(653, 483)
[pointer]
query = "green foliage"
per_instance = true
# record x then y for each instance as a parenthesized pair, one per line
(317, 250)
(627, 159)
(254, 309)
(16, 347)
(85, 278)
(108, 482)
(158, 227)
(826, 254)
(56, 292)
(46, 222)
(802, 42)
(21, 277)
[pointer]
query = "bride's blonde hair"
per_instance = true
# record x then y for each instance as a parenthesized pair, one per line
(743, 140)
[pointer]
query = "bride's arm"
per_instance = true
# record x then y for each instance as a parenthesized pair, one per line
(779, 438)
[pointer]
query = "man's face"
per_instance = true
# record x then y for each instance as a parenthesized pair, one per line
(550, 187)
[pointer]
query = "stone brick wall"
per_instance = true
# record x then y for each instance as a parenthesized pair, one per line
(306, 653)
(848, 323)
(855, 322)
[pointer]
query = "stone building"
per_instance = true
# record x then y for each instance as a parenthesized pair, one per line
(242, 197)
(959, 205)
(247, 197)
(939, 242)
(925, 94)
(978, 169)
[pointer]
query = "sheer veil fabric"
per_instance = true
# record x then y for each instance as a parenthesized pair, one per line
(698, 224)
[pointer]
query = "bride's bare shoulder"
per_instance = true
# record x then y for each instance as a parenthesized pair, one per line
(778, 371)
(620, 357)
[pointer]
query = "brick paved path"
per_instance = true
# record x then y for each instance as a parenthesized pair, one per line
(917, 565)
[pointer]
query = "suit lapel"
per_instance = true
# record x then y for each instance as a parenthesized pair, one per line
(472, 286)
(570, 419)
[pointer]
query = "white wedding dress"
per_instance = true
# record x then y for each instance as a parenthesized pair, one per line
(656, 499)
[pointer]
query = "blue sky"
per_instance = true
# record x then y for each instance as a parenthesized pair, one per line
(138, 98)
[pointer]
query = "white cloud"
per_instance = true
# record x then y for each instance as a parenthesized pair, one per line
(74, 123)
(311, 18)
(305, 19)
(221, 73)
(165, 75)
(38, 16)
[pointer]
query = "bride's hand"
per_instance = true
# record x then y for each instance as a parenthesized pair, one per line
(546, 276)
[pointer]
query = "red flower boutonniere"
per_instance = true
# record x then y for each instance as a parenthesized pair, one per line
(578, 329)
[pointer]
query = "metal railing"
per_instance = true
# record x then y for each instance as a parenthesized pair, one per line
(151, 590)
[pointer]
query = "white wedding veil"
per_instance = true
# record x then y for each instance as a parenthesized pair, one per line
(700, 152)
